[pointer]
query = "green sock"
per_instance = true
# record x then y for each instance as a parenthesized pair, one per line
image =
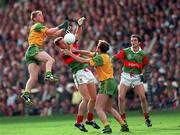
(26, 92)
(48, 73)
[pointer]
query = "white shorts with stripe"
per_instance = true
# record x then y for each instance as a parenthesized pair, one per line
(130, 80)
(84, 76)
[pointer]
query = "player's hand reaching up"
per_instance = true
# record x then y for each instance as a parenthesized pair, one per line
(64, 25)
(80, 21)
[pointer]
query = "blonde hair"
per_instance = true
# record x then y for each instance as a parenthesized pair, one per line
(34, 13)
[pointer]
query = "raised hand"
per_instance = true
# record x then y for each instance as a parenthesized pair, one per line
(64, 25)
(80, 21)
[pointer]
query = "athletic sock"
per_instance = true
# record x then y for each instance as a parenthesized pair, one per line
(48, 73)
(123, 116)
(26, 91)
(90, 116)
(146, 115)
(79, 119)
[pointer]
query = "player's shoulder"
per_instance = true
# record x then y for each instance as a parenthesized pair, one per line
(127, 49)
(38, 25)
(104, 56)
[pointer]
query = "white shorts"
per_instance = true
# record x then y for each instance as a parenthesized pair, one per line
(130, 80)
(84, 76)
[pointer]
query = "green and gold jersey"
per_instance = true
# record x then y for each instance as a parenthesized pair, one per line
(103, 65)
(37, 34)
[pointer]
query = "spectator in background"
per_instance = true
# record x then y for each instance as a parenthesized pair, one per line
(76, 99)
(170, 94)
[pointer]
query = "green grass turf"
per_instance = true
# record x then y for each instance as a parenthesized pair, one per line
(164, 123)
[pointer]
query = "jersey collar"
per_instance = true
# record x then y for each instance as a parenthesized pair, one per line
(137, 51)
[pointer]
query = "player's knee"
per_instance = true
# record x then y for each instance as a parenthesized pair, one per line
(52, 60)
(85, 98)
(93, 99)
(108, 110)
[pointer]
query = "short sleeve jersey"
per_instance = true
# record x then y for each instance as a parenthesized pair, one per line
(133, 61)
(103, 65)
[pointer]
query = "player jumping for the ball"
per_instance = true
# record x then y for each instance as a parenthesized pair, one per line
(35, 53)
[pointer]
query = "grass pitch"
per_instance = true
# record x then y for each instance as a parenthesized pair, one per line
(164, 123)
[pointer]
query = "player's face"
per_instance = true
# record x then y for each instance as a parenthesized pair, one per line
(135, 42)
(62, 45)
(40, 17)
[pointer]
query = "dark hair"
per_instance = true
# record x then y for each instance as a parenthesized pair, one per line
(137, 36)
(34, 13)
(103, 46)
(57, 40)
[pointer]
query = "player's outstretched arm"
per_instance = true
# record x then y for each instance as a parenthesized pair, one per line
(58, 30)
(80, 59)
(79, 27)
(85, 52)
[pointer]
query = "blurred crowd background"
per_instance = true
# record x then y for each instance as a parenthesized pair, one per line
(157, 21)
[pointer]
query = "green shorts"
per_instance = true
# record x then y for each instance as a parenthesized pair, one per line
(108, 87)
(31, 52)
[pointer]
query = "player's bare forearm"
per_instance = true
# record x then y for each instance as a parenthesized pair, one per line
(78, 32)
(120, 66)
(144, 70)
(60, 33)
(79, 27)
(80, 59)
(52, 31)
(87, 53)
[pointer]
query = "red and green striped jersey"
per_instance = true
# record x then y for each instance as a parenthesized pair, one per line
(133, 61)
(72, 63)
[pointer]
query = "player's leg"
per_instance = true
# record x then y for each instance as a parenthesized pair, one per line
(90, 116)
(82, 107)
(109, 108)
(92, 93)
(100, 109)
(45, 57)
(33, 70)
(122, 101)
(139, 89)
